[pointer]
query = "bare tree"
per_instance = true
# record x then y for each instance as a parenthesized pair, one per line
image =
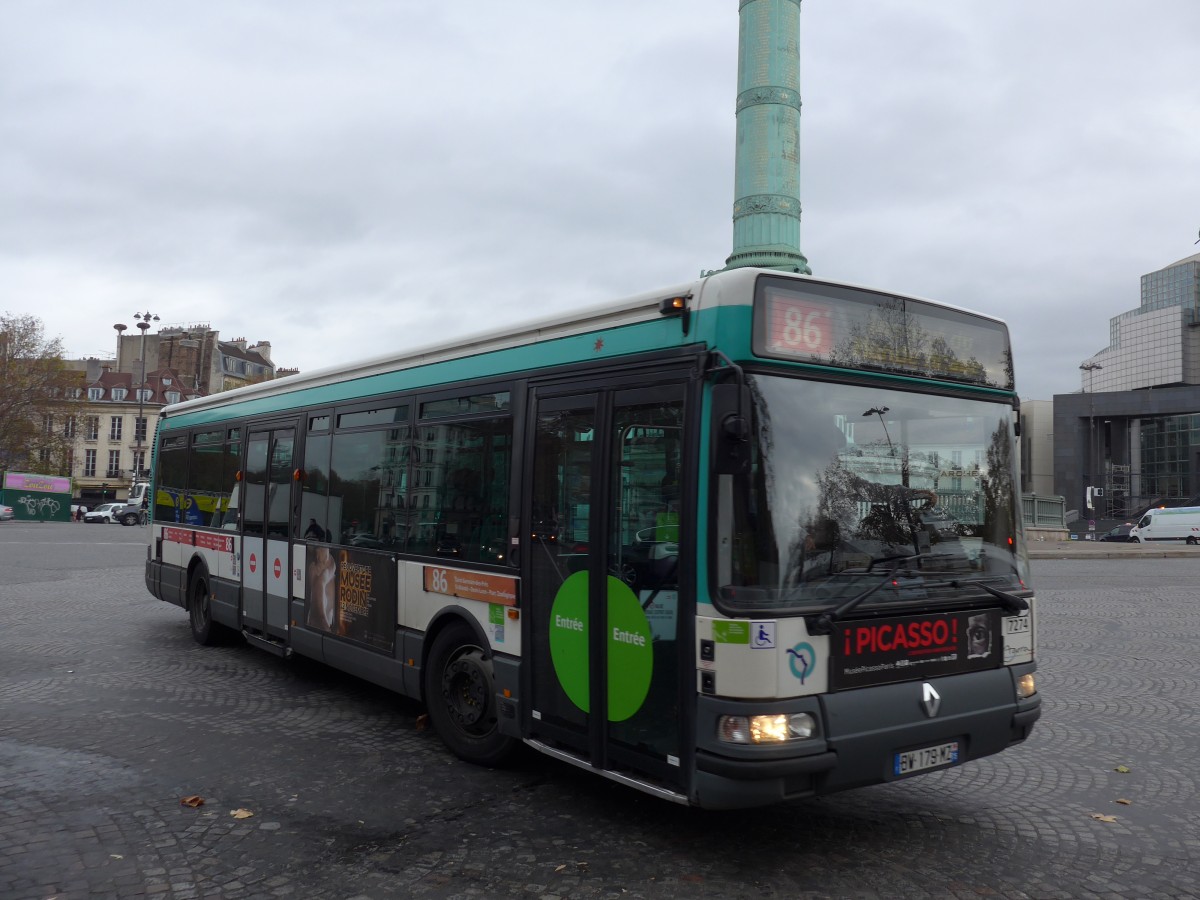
(39, 398)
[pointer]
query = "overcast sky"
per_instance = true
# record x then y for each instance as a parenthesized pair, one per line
(347, 179)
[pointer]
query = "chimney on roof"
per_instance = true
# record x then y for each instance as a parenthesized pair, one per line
(263, 349)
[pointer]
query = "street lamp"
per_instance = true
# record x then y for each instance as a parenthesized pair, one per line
(879, 411)
(143, 325)
(1091, 367)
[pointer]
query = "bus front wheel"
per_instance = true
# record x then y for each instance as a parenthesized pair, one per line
(460, 695)
(204, 630)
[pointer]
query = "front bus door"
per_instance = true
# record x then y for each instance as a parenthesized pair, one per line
(603, 522)
(266, 530)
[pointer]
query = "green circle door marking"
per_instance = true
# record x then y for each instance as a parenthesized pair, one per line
(569, 638)
(630, 652)
(630, 646)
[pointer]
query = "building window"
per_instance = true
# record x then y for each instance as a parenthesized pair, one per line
(114, 463)
(145, 395)
(139, 429)
(95, 393)
(119, 393)
(139, 463)
(114, 428)
(172, 396)
(48, 424)
(44, 457)
(69, 427)
(92, 432)
(89, 463)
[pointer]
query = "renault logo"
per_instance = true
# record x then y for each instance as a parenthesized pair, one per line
(931, 700)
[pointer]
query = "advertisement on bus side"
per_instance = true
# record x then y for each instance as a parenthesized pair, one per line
(882, 651)
(351, 594)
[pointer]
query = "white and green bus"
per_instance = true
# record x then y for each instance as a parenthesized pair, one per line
(752, 538)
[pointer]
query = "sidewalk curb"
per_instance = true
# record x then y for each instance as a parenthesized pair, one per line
(1106, 550)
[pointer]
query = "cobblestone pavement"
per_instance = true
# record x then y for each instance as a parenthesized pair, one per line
(110, 714)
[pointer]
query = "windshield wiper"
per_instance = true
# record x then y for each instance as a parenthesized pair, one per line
(823, 624)
(1010, 602)
(898, 560)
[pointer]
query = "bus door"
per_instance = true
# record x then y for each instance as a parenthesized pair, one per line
(266, 529)
(603, 522)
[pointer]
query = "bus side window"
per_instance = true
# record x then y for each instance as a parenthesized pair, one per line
(464, 467)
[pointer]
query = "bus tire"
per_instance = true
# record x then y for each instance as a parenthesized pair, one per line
(460, 695)
(204, 630)
(1191, 540)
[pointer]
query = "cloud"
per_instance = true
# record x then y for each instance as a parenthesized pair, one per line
(347, 180)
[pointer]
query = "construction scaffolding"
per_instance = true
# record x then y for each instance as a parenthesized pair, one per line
(1116, 490)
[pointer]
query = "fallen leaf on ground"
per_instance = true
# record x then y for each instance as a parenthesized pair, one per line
(422, 721)
(192, 801)
(560, 868)
(1124, 802)
(1100, 817)
(241, 813)
(1124, 770)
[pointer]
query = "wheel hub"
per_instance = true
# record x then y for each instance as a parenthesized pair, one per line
(464, 687)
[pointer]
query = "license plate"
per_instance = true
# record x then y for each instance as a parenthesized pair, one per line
(909, 761)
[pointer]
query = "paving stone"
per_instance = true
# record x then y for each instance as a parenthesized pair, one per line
(111, 714)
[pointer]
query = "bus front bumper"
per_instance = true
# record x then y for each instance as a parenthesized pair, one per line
(862, 734)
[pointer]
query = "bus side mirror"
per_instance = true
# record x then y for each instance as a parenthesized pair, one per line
(730, 429)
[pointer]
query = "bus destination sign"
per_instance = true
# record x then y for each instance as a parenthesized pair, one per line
(882, 651)
(842, 326)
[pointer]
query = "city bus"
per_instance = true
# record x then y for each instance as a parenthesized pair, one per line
(744, 540)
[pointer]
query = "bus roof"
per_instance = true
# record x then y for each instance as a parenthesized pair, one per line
(734, 287)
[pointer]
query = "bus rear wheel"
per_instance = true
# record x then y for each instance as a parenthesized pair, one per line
(460, 695)
(1191, 540)
(204, 630)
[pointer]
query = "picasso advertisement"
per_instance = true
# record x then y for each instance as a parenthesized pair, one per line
(351, 594)
(882, 651)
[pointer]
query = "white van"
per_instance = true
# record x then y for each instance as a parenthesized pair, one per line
(1181, 523)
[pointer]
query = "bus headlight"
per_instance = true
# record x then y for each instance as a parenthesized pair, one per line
(766, 729)
(1026, 687)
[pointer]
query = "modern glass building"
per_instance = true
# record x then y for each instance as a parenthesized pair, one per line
(1132, 433)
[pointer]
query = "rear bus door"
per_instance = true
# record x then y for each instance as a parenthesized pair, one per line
(266, 528)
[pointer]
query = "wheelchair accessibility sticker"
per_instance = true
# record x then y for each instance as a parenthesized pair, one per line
(802, 659)
(762, 635)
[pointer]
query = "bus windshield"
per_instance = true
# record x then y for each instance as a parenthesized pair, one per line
(853, 485)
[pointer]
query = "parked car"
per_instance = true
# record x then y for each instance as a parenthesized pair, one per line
(6, 513)
(1120, 533)
(106, 513)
